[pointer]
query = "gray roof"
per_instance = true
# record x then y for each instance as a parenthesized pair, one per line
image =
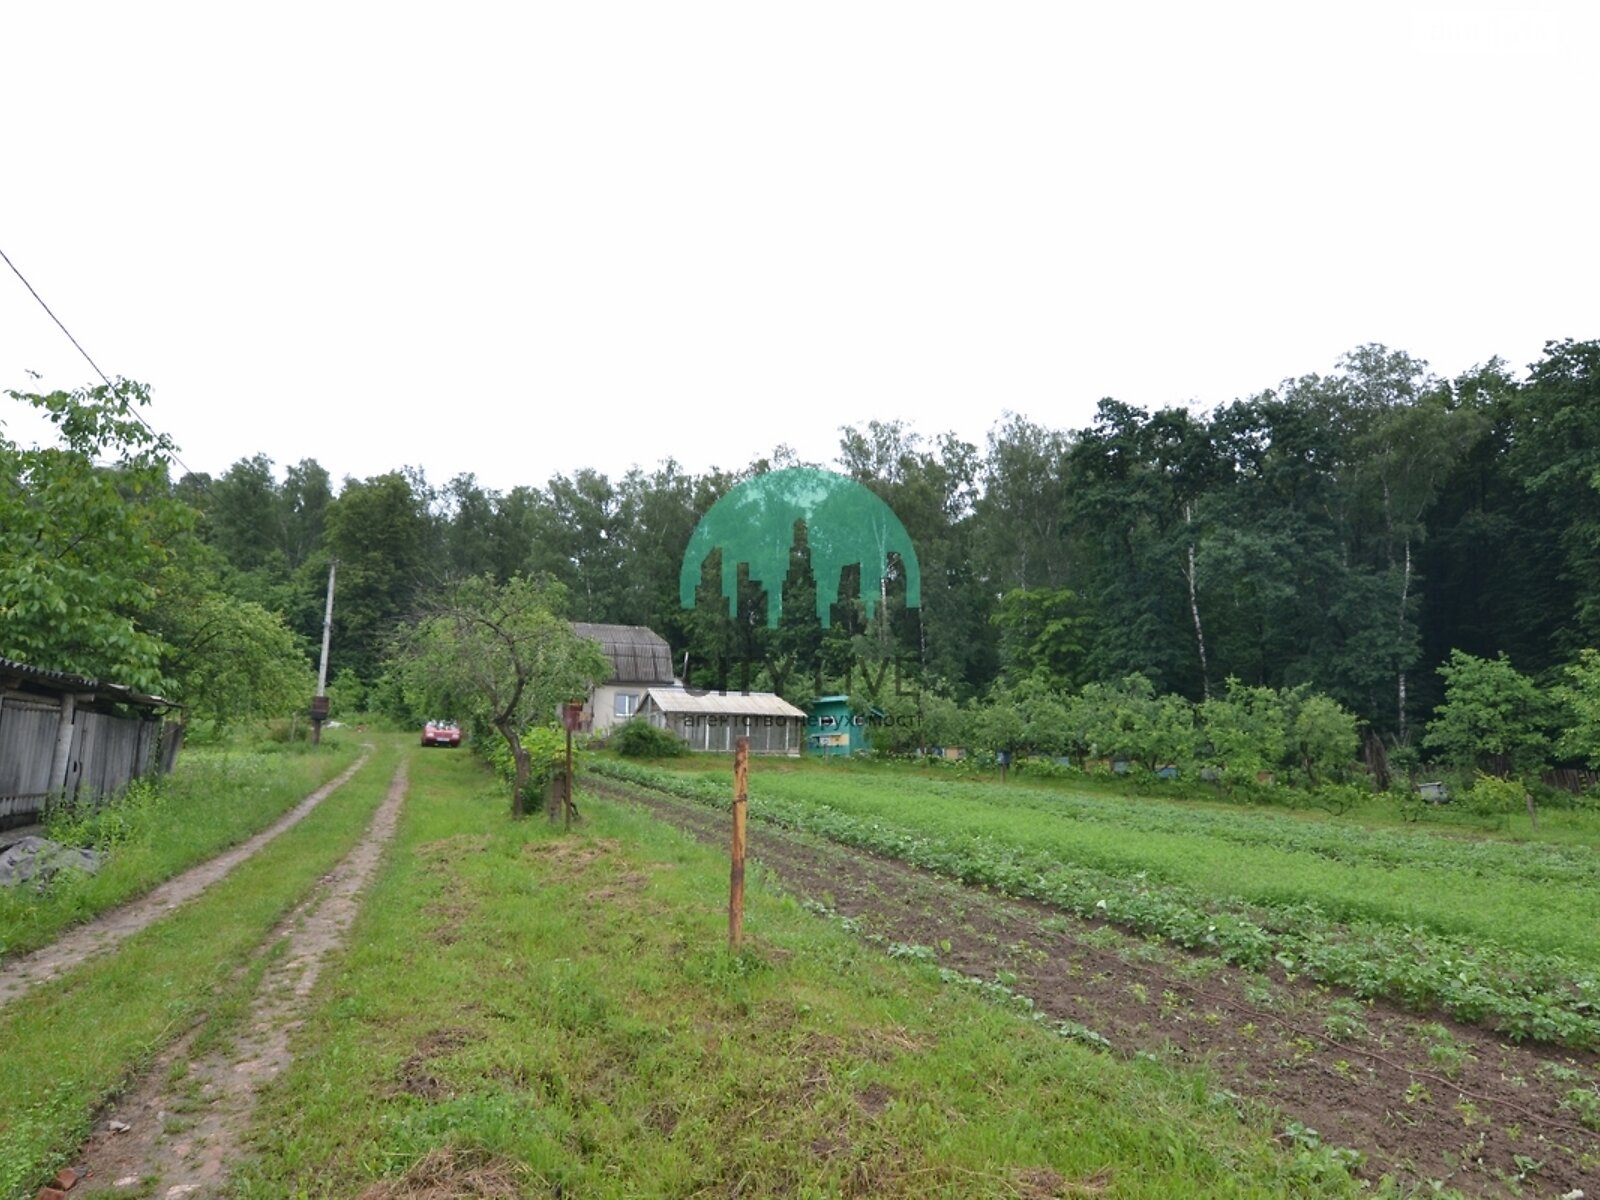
(636, 654)
(735, 704)
(67, 682)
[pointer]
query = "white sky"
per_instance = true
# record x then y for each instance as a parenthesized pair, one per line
(521, 239)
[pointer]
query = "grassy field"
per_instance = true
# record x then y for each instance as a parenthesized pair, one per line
(525, 1012)
(1483, 928)
(215, 799)
(68, 1046)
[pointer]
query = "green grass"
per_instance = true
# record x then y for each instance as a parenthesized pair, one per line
(562, 1009)
(1530, 896)
(1196, 878)
(68, 1046)
(215, 799)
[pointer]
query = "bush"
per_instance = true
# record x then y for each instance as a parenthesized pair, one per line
(1494, 797)
(547, 753)
(640, 739)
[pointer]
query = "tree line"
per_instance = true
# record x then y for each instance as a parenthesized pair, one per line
(1344, 532)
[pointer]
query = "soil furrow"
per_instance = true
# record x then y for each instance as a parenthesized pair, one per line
(1422, 1098)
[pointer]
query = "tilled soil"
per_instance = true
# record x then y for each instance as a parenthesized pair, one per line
(177, 1130)
(111, 928)
(1421, 1097)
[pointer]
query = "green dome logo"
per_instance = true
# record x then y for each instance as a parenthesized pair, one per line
(846, 523)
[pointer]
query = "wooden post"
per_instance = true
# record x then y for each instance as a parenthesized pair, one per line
(62, 756)
(741, 795)
(566, 794)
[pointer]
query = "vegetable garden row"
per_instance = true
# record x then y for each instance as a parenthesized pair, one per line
(1487, 932)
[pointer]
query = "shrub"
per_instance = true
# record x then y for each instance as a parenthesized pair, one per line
(1491, 796)
(547, 753)
(640, 739)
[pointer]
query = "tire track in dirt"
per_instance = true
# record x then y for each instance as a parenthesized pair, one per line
(112, 927)
(1421, 1097)
(182, 1124)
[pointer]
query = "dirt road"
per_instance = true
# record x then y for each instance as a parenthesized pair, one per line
(182, 1123)
(110, 928)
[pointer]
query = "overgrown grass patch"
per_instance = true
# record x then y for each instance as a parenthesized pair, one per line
(215, 799)
(564, 1006)
(69, 1046)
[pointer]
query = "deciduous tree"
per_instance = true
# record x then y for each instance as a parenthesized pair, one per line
(499, 656)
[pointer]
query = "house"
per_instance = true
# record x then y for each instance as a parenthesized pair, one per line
(639, 658)
(716, 720)
(70, 736)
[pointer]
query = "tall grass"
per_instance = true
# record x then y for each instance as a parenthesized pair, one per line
(216, 798)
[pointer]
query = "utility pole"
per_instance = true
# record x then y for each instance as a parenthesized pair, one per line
(319, 702)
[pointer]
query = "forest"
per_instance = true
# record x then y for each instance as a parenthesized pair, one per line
(1345, 533)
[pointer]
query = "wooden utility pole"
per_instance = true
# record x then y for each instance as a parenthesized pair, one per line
(741, 795)
(319, 703)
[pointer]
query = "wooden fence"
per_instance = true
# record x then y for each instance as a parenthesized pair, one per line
(49, 747)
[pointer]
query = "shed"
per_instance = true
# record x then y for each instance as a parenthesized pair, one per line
(833, 728)
(716, 720)
(68, 735)
(639, 658)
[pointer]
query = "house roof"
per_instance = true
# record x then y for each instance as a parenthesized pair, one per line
(636, 654)
(65, 681)
(733, 704)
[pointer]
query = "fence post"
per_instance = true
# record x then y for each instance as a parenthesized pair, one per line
(741, 793)
(63, 750)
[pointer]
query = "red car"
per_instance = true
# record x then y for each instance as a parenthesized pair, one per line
(441, 733)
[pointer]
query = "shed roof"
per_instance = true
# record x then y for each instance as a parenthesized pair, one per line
(65, 681)
(736, 704)
(636, 654)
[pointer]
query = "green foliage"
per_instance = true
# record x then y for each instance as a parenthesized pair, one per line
(1323, 738)
(497, 656)
(82, 544)
(996, 726)
(346, 694)
(232, 660)
(546, 750)
(1247, 729)
(1490, 709)
(136, 816)
(1042, 632)
(378, 529)
(1492, 796)
(1580, 696)
(387, 697)
(1128, 719)
(638, 738)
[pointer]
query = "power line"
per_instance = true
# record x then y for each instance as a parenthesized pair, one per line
(79, 347)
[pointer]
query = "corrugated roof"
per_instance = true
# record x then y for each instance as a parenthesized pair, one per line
(734, 704)
(80, 683)
(637, 654)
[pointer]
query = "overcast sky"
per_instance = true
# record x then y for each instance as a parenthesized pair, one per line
(521, 239)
